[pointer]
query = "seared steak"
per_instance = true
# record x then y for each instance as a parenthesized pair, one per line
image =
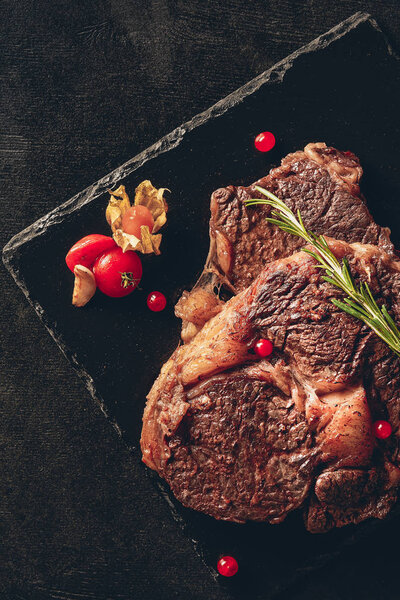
(241, 438)
(322, 182)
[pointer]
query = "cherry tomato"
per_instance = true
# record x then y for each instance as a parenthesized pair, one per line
(135, 217)
(117, 273)
(265, 141)
(88, 249)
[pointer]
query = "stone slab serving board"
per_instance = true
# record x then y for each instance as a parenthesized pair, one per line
(342, 88)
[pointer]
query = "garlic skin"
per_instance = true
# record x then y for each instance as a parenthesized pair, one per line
(84, 286)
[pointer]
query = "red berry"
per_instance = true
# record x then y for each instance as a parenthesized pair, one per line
(382, 429)
(263, 348)
(156, 301)
(265, 141)
(227, 566)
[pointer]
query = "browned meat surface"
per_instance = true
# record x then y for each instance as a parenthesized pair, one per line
(239, 438)
(322, 182)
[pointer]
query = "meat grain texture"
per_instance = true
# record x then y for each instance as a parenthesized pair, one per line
(241, 438)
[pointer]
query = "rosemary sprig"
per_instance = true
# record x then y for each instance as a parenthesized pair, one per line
(359, 301)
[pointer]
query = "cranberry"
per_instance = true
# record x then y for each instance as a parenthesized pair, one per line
(156, 301)
(227, 566)
(382, 429)
(263, 348)
(265, 141)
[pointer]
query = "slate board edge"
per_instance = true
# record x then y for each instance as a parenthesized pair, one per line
(174, 138)
(166, 143)
(275, 74)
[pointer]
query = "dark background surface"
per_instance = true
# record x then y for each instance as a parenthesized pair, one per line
(85, 86)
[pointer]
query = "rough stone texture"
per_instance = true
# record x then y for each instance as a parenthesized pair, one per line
(81, 85)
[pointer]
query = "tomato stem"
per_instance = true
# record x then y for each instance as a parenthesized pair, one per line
(127, 279)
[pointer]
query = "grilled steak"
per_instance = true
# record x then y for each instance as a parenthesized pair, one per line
(322, 182)
(240, 438)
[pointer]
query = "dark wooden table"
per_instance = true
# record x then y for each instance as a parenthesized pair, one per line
(86, 84)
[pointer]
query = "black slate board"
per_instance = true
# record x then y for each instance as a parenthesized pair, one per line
(343, 88)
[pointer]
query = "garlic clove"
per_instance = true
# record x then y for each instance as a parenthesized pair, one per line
(84, 286)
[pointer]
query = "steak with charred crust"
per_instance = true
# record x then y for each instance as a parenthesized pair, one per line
(321, 182)
(243, 439)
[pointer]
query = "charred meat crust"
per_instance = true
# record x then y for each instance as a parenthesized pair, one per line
(242, 439)
(322, 182)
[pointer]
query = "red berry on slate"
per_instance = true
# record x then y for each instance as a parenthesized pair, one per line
(263, 348)
(156, 301)
(265, 141)
(227, 566)
(382, 429)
